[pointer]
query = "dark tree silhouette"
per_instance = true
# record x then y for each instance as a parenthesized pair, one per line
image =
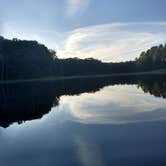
(21, 59)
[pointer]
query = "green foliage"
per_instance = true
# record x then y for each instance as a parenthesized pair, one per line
(21, 59)
(154, 58)
(24, 59)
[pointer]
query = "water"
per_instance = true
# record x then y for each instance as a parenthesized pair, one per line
(87, 122)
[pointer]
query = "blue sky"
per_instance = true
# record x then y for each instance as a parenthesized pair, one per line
(109, 30)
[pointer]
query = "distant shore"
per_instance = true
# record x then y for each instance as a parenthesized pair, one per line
(155, 72)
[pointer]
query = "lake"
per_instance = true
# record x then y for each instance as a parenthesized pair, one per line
(109, 121)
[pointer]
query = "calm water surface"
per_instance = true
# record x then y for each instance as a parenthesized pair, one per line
(88, 122)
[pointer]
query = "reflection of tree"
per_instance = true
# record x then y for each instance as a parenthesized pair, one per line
(154, 87)
(21, 102)
(28, 101)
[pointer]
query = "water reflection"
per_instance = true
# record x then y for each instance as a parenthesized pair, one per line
(115, 105)
(28, 101)
(154, 87)
(87, 122)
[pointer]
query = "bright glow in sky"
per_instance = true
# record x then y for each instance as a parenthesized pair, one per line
(109, 30)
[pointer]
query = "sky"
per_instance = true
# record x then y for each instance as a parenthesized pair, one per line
(109, 30)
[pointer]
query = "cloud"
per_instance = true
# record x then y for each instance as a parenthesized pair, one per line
(51, 39)
(75, 6)
(111, 42)
(114, 41)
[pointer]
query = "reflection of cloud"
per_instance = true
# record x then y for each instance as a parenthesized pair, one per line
(89, 153)
(75, 6)
(115, 105)
(113, 42)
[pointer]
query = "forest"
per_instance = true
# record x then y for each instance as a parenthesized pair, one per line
(22, 59)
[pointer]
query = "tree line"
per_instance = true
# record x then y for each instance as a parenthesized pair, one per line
(22, 59)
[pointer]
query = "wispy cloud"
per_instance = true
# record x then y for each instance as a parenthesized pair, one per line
(75, 6)
(51, 39)
(113, 42)
(107, 42)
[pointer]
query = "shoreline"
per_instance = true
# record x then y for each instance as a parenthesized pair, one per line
(156, 72)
